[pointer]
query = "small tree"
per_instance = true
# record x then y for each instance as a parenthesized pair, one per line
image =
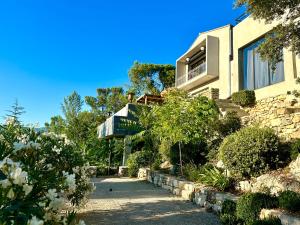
(183, 119)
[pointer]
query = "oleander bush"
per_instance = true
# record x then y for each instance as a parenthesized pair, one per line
(289, 200)
(42, 177)
(249, 206)
(244, 98)
(251, 151)
(137, 160)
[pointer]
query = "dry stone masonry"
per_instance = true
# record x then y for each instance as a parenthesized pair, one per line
(282, 113)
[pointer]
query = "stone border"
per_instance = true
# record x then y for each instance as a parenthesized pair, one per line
(203, 196)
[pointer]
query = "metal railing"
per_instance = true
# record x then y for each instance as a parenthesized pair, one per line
(197, 71)
(191, 74)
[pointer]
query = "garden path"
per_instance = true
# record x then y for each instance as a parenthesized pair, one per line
(134, 202)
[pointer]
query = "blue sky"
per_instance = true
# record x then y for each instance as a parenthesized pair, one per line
(50, 48)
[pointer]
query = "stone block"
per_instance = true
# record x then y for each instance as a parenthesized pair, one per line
(189, 186)
(276, 122)
(167, 187)
(286, 219)
(295, 135)
(222, 196)
(245, 186)
(187, 195)
(296, 119)
(200, 199)
(176, 191)
(282, 111)
(123, 171)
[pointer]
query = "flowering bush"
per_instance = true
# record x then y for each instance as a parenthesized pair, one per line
(43, 177)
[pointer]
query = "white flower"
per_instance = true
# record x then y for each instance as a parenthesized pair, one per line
(5, 183)
(57, 204)
(10, 120)
(51, 194)
(27, 189)
(11, 194)
(76, 169)
(19, 177)
(24, 139)
(35, 221)
(57, 150)
(70, 181)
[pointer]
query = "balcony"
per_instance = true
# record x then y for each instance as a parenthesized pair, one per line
(207, 52)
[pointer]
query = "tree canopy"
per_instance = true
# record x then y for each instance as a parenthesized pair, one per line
(151, 78)
(107, 101)
(286, 34)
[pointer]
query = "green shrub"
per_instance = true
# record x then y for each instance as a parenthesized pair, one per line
(228, 207)
(191, 172)
(227, 219)
(249, 206)
(295, 149)
(289, 200)
(229, 124)
(215, 177)
(269, 221)
(250, 151)
(137, 160)
(244, 98)
(228, 213)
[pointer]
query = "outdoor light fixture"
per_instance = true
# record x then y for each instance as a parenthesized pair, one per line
(187, 60)
(202, 48)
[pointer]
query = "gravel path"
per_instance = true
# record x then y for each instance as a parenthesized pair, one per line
(134, 202)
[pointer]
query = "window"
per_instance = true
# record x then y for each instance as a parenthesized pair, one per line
(258, 73)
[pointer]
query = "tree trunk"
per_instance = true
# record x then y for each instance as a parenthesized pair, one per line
(109, 157)
(180, 159)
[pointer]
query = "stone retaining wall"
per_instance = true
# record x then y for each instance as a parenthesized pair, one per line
(282, 113)
(205, 196)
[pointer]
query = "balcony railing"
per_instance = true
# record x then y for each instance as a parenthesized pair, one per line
(197, 71)
(191, 74)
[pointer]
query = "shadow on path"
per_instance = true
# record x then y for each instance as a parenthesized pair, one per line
(138, 202)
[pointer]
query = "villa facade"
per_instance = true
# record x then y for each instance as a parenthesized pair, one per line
(224, 60)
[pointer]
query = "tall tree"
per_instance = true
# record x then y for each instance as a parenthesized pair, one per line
(57, 125)
(286, 34)
(107, 101)
(72, 105)
(16, 111)
(151, 78)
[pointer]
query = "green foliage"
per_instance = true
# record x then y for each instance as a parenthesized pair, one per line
(39, 176)
(228, 213)
(16, 111)
(229, 124)
(216, 178)
(137, 160)
(183, 119)
(295, 149)
(57, 125)
(269, 221)
(192, 153)
(107, 101)
(289, 200)
(250, 151)
(191, 172)
(285, 34)
(228, 207)
(151, 78)
(244, 98)
(249, 206)
(71, 106)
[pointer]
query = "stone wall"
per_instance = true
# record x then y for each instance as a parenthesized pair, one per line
(282, 113)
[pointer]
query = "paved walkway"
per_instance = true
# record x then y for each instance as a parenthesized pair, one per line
(134, 202)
